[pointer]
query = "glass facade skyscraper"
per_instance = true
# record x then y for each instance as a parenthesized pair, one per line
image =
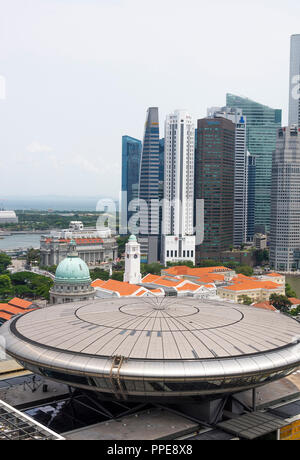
(262, 125)
(294, 103)
(131, 158)
(149, 189)
(214, 183)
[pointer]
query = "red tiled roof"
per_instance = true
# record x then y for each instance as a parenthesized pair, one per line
(264, 305)
(294, 300)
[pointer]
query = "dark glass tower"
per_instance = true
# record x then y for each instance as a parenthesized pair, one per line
(149, 189)
(262, 125)
(131, 158)
(214, 183)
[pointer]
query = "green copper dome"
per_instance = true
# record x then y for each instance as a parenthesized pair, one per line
(72, 270)
(132, 238)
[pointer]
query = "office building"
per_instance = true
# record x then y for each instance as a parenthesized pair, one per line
(149, 189)
(294, 102)
(285, 214)
(178, 240)
(240, 170)
(214, 177)
(262, 125)
(131, 158)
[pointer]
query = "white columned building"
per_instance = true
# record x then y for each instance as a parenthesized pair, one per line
(178, 240)
(132, 273)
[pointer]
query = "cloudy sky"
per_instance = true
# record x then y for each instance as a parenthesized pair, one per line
(79, 74)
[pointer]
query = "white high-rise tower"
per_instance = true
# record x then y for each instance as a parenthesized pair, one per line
(132, 273)
(178, 242)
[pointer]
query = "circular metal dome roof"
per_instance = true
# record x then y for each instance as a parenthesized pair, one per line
(181, 342)
(72, 270)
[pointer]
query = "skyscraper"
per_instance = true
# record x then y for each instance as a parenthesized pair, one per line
(178, 241)
(262, 125)
(214, 177)
(240, 170)
(285, 215)
(294, 105)
(131, 158)
(251, 194)
(149, 189)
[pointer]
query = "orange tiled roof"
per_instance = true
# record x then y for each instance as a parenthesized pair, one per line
(189, 287)
(124, 289)
(21, 303)
(272, 274)
(184, 270)
(294, 300)
(157, 291)
(211, 278)
(13, 310)
(140, 293)
(5, 316)
(168, 281)
(252, 285)
(150, 278)
(264, 305)
(97, 283)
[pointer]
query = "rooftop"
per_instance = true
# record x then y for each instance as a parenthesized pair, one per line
(156, 328)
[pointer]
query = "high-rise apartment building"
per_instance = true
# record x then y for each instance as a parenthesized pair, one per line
(240, 170)
(285, 214)
(149, 189)
(214, 177)
(131, 158)
(178, 240)
(262, 125)
(294, 104)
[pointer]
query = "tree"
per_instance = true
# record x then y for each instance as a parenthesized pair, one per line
(121, 241)
(154, 269)
(244, 270)
(32, 255)
(187, 263)
(5, 261)
(261, 255)
(281, 302)
(118, 276)
(6, 287)
(28, 284)
(246, 300)
(98, 273)
(289, 292)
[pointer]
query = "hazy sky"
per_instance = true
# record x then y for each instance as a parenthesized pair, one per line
(81, 73)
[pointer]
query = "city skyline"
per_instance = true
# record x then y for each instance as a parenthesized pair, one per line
(62, 110)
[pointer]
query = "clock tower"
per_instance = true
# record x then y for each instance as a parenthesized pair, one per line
(132, 273)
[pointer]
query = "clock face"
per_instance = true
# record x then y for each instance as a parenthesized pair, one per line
(135, 256)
